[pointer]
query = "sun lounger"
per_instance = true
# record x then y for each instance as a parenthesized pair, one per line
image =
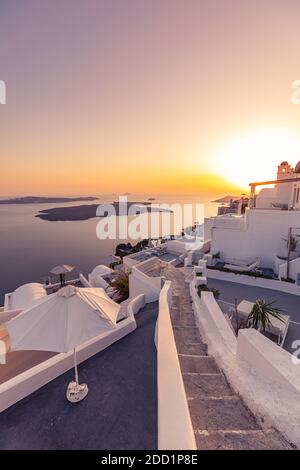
(241, 265)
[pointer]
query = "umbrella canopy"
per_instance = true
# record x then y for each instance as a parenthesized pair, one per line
(227, 199)
(62, 269)
(64, 320)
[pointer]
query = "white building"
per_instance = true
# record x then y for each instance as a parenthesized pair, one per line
(282, 195)
(262, 232)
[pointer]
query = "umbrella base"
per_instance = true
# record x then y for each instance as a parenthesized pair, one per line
(76, 392)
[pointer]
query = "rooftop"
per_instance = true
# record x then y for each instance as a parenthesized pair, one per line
(120, 411)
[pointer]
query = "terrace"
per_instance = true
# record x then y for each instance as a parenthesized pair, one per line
(120, 411)
(129, 405)
(161, 252)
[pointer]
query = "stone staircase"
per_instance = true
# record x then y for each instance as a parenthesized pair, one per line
(220, 418)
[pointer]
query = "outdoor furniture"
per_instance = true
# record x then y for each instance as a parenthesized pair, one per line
(241, 265)
(62, 270)
(278, 327)
(61, 322)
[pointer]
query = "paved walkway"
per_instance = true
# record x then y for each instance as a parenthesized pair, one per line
(120, 411)
(219, 416)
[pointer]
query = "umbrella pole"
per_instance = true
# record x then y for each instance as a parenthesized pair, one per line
(75, 366)
(76, 392)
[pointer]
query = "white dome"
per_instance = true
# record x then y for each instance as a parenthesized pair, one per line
(101, 270)
(25, 295)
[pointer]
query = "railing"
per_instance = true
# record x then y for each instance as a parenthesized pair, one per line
(226, 307)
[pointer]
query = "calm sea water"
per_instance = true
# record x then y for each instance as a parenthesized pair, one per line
(30, 247)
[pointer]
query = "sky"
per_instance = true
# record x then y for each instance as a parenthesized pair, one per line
(156, 96)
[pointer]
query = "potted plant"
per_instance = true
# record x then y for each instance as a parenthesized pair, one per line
(260, 316)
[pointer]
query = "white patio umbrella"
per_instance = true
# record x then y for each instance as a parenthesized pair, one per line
(62, 270)
(62, 321)
(226, 199)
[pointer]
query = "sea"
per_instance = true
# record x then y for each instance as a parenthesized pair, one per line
(30, 246)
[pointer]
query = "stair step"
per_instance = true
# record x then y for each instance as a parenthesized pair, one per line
(175, 301)
(191, 348)
(187, 334)
(219, 417)
(202, 386)
(241, 440)
(197, 364)
(184, 322)
(221, 414)
(182, 319)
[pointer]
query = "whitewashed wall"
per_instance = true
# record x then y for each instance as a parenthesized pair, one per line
(259, 235)
(294, 269)
(261, 372)
(273, 284)
(140, 283)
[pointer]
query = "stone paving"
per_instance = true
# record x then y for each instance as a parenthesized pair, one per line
(219, 417)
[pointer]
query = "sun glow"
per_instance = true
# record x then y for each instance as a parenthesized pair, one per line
(255, 156)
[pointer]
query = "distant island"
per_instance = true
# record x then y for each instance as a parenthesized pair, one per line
(45, 200)
(85, 212)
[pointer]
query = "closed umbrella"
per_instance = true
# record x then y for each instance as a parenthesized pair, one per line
(62, 270)
(62, 321)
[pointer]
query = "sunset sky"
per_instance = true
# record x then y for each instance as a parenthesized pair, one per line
(159, 96)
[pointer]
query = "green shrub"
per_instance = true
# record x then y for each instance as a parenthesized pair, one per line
(121, 283)
(204, 288)
(245, 273)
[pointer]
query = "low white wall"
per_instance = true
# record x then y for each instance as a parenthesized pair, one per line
(2, 353)
(129, 262)
(259, 352)
(140, 283)
(27, 382)
(175, 430)
(216, 331)
(176, 246)
(134, 305)
(271, 387)
(84, 280)
(294, 270)
(282, 286)
(261, 372)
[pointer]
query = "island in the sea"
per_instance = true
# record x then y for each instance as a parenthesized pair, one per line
(45, 200)
(89, 211)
